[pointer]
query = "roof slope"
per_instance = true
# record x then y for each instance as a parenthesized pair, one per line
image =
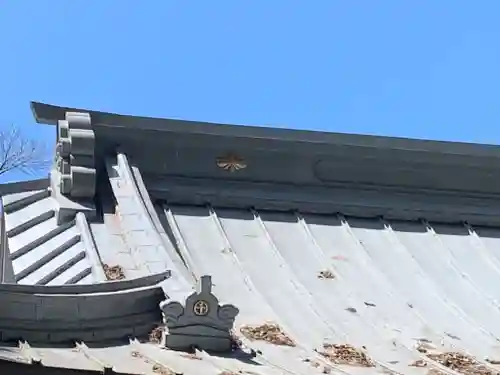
(394, 285)
(399, 290)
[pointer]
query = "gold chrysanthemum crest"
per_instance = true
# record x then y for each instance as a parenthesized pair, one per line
(231, 162)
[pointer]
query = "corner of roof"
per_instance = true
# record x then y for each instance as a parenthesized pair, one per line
(49, 114)
(39, 111)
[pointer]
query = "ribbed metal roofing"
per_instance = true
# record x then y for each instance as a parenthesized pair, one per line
(346, 294)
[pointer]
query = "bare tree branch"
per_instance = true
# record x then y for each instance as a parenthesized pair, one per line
(19, 152)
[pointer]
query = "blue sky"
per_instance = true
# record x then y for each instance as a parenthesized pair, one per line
(421, 69)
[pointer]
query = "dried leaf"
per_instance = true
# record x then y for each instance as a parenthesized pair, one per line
(113, 273)
(326, 274)
(269, 332)
(345, 354)
(461, 363)
(419, 363)
(162, 370)
(156, 334)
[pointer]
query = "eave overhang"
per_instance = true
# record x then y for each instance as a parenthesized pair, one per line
(51, 114)
(310, 166)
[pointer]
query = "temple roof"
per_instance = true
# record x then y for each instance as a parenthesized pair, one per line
(331, 270)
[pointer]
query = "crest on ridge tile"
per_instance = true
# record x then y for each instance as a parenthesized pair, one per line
(199, 321)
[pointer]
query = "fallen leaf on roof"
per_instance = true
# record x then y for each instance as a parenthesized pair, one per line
(191, 356)
(113, 273)
(327, 274)
(156, 334)
(425, 346)
(162, 370)
(452, 336)
(418, 363)
(423, 339)
(345, 354)
(269, 332)
(461, 363)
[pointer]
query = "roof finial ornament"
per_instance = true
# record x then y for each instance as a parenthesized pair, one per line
(200, 321)
(205, 284)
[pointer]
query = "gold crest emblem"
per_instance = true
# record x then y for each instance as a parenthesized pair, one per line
(201, 308)
(231, 162)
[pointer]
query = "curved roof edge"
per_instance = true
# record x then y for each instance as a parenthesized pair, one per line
(50, 114)
(85, 289)
(94, 312)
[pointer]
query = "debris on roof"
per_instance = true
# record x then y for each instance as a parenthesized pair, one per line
(389, 213)
(156, 335)
(114, 273)
(269, 332)
(418, 363)
(326, 274)
(345, 354)
(461, 363)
